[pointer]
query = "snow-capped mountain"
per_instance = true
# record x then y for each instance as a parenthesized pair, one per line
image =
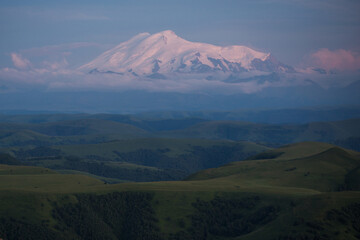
(164, 52)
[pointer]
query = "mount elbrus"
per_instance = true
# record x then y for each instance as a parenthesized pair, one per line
(165, 53)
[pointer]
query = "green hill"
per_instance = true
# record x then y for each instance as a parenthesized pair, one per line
(10, 138)
(66, 132)
(151, 159)
(8, 159)
(330, 131)
(346, 133)
(88, 127)
(302, 191)
(323, 167)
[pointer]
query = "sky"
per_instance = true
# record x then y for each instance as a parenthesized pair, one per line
(290, 29)
(43, 43)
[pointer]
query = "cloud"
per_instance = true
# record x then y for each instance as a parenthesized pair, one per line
(340, 60)
(59, 74)
(56, 77)
(56, 65)
(24, 64)
(19, 61)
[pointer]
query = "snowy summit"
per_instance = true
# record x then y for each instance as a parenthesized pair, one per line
(165, 52)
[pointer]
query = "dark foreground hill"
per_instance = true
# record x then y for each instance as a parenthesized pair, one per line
(301, 191)
(139, 159)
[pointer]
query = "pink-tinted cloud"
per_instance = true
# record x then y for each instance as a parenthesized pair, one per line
(19, 61)
(56, 65)
(58, 78)
(342, 60)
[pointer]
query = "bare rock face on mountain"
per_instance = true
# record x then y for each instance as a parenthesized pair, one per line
(164, 53)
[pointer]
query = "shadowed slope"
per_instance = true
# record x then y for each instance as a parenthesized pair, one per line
(323, 167)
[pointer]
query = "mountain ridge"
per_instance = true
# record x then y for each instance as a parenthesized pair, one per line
(162, 53)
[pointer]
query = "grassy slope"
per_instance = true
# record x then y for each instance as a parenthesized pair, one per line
(275, 134)
(24, 137)
(148, 159)
(185, 155)
(329, 131)
(309, 165)
(174, 147)
(87, 127)
(92, 130)
(66, 132)
(300, 197)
